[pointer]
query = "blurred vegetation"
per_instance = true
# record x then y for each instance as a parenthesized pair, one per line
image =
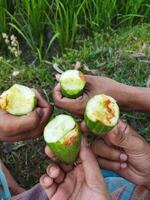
(50, 26)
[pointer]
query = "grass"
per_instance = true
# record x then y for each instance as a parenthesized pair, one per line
(48, 26)
(121, 55)
(99, 14)
(30, 21)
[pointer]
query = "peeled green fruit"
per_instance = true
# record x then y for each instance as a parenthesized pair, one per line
(101, 114)
(72, 83)
(63, 136)
(18, 100)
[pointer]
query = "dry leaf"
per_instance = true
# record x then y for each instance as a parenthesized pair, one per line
(57, 69)
(78, 65)
(137, 55)
(57, 76)
(93, 71)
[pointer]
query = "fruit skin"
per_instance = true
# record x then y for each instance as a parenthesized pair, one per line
(97, 127)
(10, 102)
(72, 96)
(67, 149)
(74, 93)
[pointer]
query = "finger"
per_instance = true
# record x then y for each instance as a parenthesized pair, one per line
(47, 112)
(103, 150)
(125, 137)
(14, 125)
(75, 106)
(41, 102)
(65, 189)
(52, 156)
(46, 181)
(50, 153)
(111, 165)
(57, 95)
(48, 186)
(55, 172)
(84, 127)
(90, 165)
(47, 108)
(66, 168)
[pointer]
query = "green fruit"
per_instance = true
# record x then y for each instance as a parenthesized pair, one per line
(101, 114)
(72, 83)
(18, 100)
(62, 135)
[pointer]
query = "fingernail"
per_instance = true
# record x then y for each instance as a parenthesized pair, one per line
(53, 171)
(40, 112)
(123, 165)
(123, 157)
(46, 180)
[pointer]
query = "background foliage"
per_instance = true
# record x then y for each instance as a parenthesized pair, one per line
(41, 24)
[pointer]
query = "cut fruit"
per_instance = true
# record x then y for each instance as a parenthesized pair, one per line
(62, 135)
(18, 100)
(101, 114)
(72, 83)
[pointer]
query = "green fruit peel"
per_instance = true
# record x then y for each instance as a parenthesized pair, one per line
(63, 136)
(18, 100)
(72, 83)
(101, 114)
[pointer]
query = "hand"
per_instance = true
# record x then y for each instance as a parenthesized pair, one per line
(14, 128)
(95, 85)
(83, 182)
(124, 151)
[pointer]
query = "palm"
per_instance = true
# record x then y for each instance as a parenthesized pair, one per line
(138, 162)
(83, 182)
(80, 188)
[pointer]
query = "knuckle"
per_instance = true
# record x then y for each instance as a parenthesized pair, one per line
(48, 110)
(56, 101)
(35, 120)
(95, 147)
(6, 129)
(122, 132)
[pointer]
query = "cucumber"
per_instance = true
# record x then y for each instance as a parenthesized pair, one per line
(18, 100)
(63, 136)
(72, 83)
(101, 114)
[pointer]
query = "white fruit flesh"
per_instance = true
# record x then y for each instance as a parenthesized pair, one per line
(58, 128)
(72, 81)
(19, 100)
(104, 109)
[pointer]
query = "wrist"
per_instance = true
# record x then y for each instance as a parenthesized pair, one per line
(134, 98)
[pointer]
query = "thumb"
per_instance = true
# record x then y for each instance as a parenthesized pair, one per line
(125, 137)
(90, 165)
(84, 127)
(22, 124)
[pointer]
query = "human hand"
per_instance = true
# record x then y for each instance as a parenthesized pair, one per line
(83, 182)
(95, 85)
(14, 128)
(124, 151)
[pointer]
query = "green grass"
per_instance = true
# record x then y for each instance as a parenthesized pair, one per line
(48, 26)
(29, 21)
(121, 55)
